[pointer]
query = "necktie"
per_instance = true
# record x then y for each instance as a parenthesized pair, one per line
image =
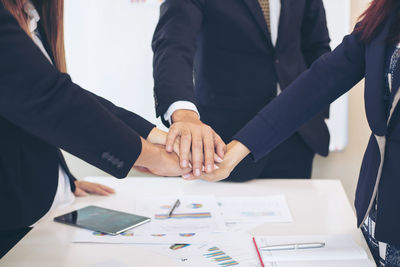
(265, 9)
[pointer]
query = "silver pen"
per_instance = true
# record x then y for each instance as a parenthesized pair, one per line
(176, 204)
(293, 246)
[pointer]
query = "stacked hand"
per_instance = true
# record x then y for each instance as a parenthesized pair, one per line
(191, 149)
(236, 153)
(198, 142)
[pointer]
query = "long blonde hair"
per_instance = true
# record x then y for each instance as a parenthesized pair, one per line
(52, 17)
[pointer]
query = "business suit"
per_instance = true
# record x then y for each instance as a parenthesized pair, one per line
(236, 67)
(328, 78)
(42, 110)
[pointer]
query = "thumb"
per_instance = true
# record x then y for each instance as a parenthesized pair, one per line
(79, 192)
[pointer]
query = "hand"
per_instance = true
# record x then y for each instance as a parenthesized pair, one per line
(198, 138)
(83, 188)
(235, 154)
(158, 161)
(159, 137)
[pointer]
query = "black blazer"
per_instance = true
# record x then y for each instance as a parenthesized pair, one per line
(328, 78)
(236, 68)
(42, 110)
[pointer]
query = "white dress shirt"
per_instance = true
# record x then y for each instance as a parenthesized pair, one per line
(275, 13)
(64, 195)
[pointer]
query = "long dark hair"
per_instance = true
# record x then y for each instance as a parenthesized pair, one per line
(373, 18)
(52, 15)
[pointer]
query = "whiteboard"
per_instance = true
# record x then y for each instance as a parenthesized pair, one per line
(108, 47)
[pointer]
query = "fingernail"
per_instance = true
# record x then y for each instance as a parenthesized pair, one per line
(216, 167)
(186, 176)
(219, 160)
(190, 165)
(202, 168)
(184, 163)
(197, 172)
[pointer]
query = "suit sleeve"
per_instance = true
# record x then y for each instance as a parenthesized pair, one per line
(134, 121)
(46, 103)
(329, 77)
(174, 47)
(315, 35)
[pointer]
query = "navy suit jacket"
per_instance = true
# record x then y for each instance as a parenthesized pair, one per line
(328, 78)
(42, 110)
(227, 46)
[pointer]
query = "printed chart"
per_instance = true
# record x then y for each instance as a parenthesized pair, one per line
(195, 214)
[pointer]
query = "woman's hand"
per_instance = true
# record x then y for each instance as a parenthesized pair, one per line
(235, 154)
(159, 137)
(83, 188)
(158, 161)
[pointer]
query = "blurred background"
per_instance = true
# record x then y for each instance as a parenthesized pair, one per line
(114, 60)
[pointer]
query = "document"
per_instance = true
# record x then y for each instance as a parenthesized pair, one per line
(132, 237)
(223, 249)
(245, 213)
(195, 214)
(255, 209)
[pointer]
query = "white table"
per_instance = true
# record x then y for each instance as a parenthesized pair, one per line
(317, 206)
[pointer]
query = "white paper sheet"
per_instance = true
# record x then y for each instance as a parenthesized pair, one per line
(338, 263)
(185, 255)
(132, 237)
(231, 250)
(195, 214)
(223, 249)
(340, 247)
(255, 209)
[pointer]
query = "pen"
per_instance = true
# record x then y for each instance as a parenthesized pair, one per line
(293, 246)
(176, 204)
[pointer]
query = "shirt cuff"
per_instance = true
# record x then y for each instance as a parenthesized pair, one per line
(177, 106)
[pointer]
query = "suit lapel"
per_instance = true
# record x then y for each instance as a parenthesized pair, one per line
(283, 20)
(258, 15)
(374, 82)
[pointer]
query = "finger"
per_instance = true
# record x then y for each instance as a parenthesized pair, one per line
(100, 191)
(172, 135)
(197, 153)
(208, 152)
(79, 192)
(177, 145)
(217, 158)
(93, 188)
(220, 146)
(189, 176)
(186, 141)
(107, 189)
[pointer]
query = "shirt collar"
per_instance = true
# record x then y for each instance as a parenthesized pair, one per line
(33, 16)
